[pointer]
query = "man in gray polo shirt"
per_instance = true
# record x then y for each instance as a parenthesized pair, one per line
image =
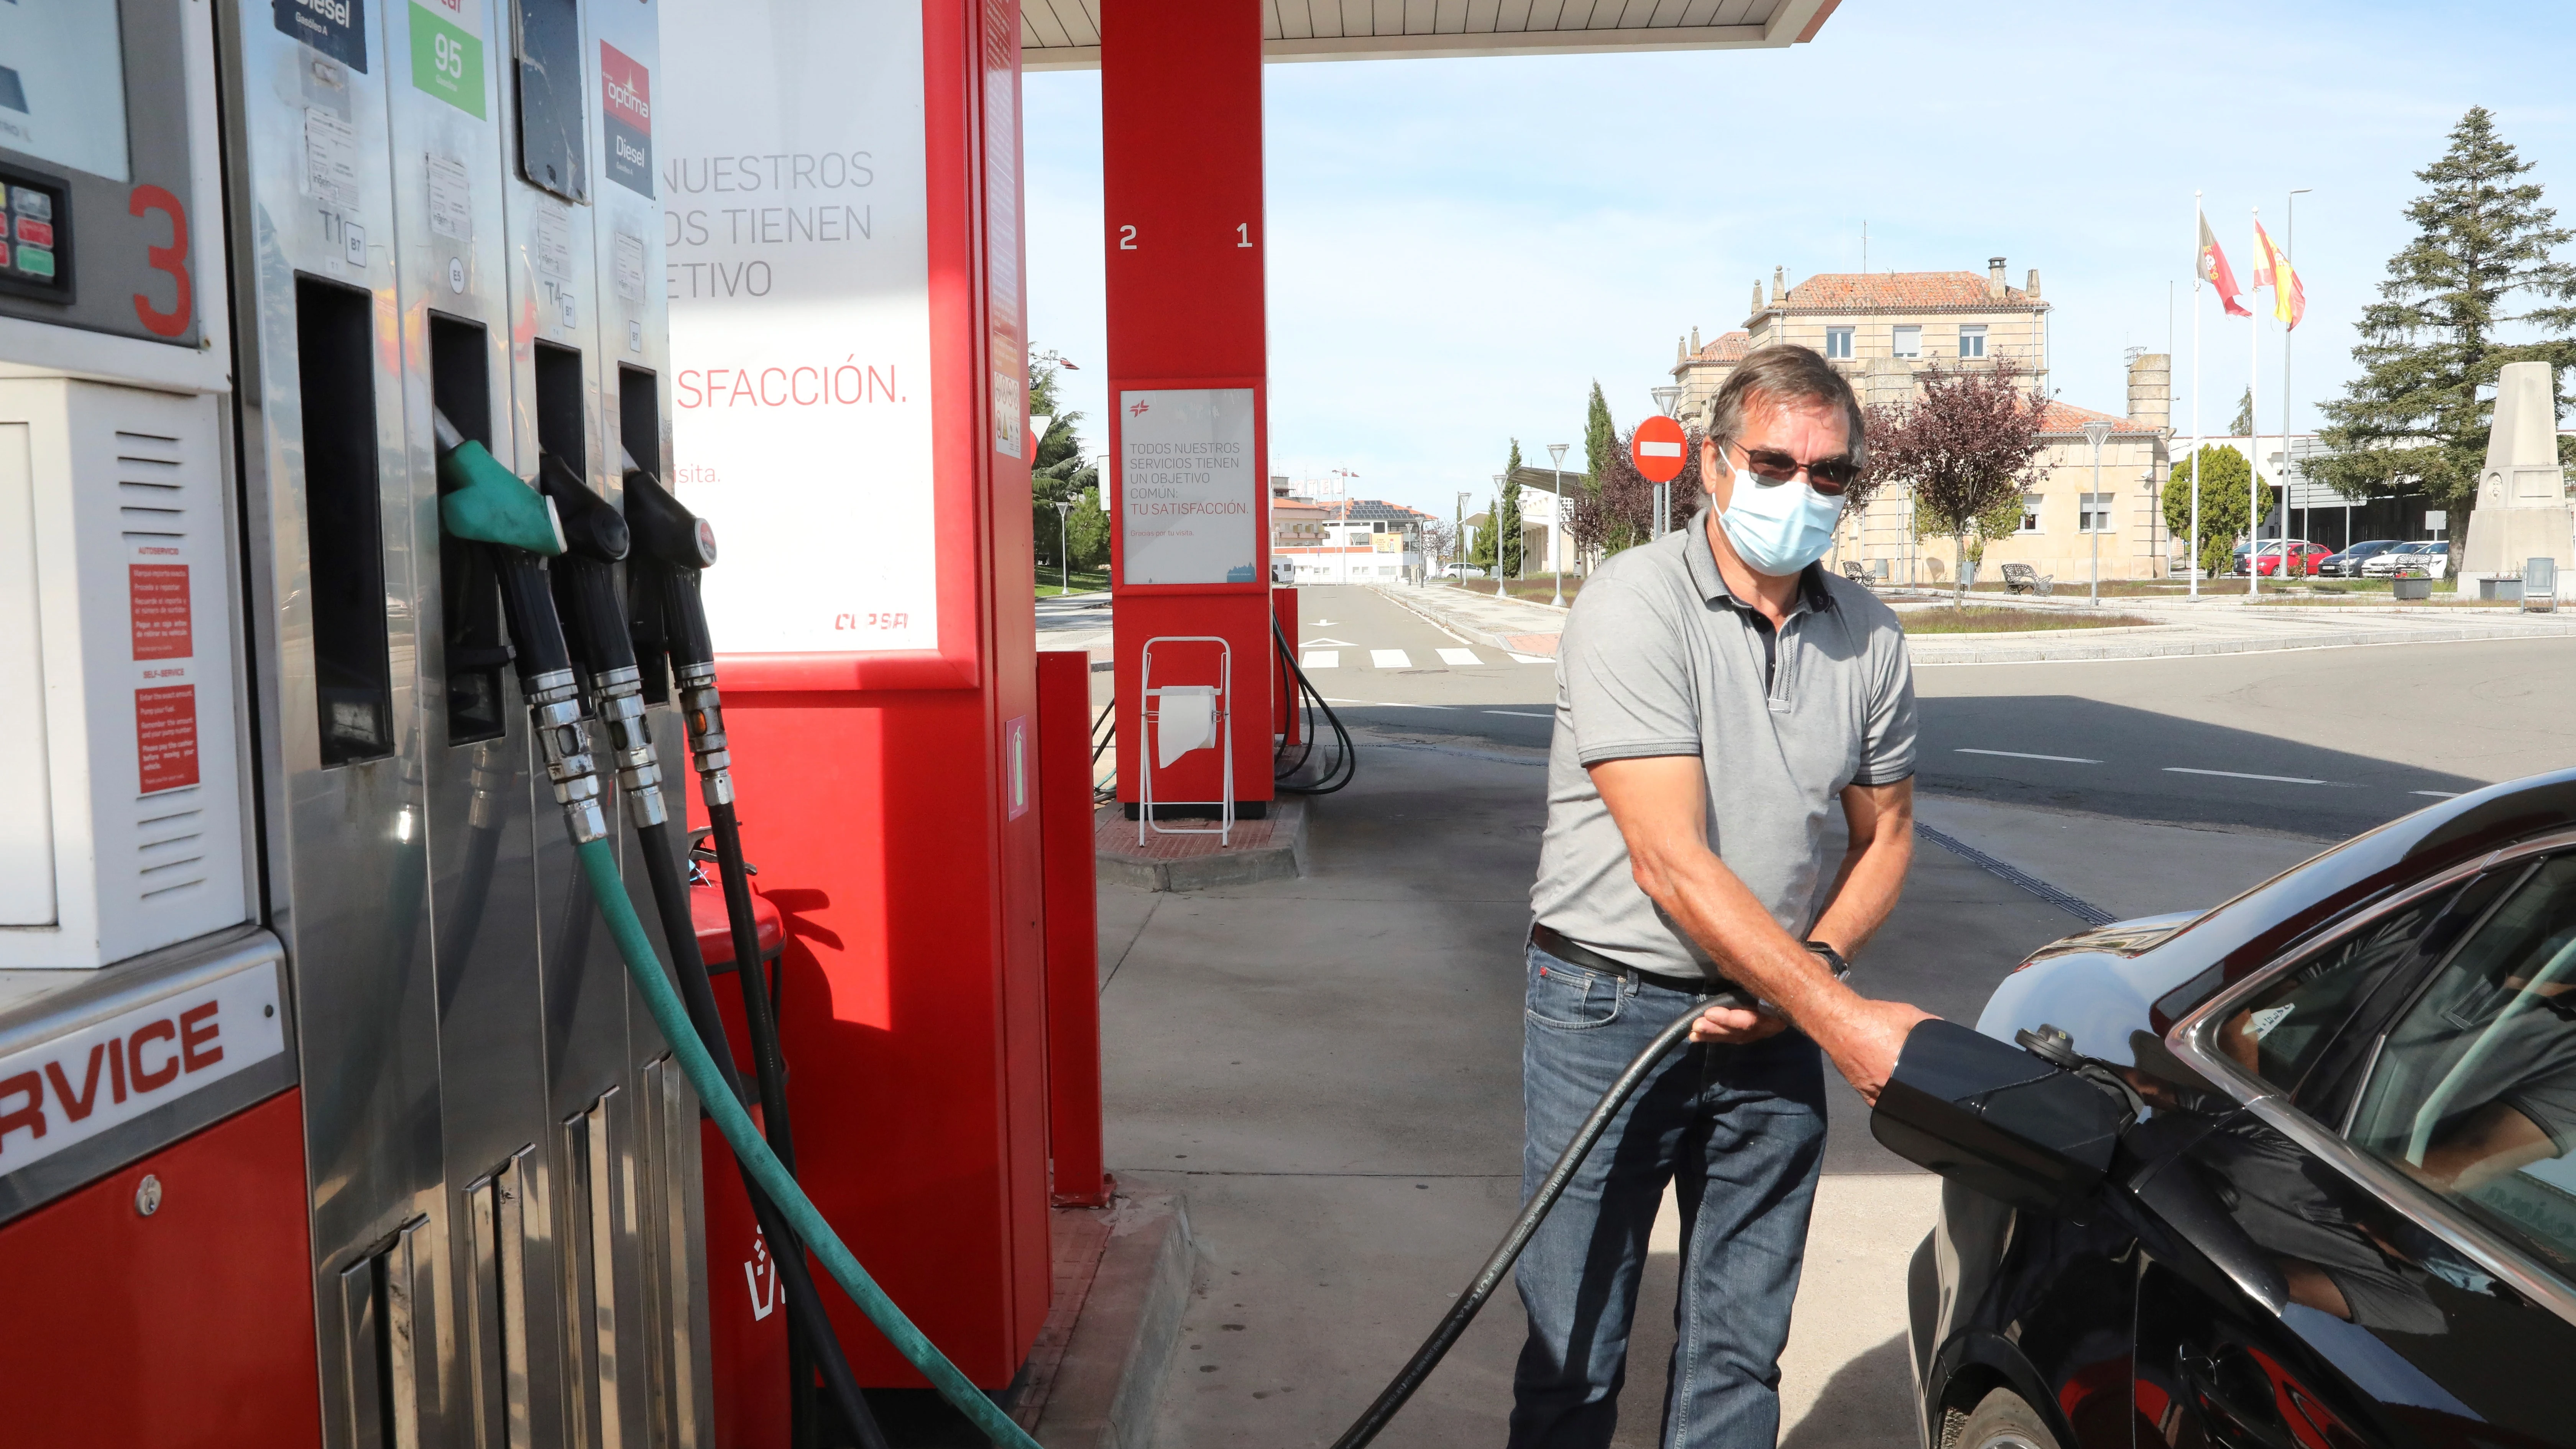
(1718, 696)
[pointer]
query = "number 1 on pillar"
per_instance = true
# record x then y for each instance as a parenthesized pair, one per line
(1243, 229)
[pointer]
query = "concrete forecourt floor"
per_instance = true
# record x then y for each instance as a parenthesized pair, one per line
(1327, 1068)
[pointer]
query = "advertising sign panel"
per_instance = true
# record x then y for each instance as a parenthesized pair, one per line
(1189, 500)
(796, 222)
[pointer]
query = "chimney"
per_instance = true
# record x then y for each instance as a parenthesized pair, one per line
(1694, 342)
(1995, 278)
(2033, 288)
(1779, 284)
(2151, 389)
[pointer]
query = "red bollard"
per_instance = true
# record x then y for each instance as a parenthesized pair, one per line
(1072, 928)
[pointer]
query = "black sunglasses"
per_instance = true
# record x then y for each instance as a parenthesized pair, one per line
(1829, 476)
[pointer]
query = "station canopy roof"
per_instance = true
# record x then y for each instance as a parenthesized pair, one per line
(1065, 34)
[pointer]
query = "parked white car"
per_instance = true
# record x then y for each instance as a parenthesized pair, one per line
(2432, 558)
(1462, 571)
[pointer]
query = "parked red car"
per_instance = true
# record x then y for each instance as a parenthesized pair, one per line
(2304, 558)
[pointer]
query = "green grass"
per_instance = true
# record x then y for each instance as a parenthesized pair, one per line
(1539, 589)
(1976, 619)
(1083, 581)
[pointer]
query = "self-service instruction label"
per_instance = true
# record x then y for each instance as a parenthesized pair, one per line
(165, 736)
(447, 52)
(330, 160)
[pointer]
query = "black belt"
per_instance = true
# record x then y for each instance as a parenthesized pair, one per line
(1565, 948)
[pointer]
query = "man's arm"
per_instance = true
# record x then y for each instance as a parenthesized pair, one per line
(1880, 821)
(1659, 803)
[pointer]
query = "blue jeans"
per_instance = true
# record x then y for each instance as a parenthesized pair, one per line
(1740, 1130)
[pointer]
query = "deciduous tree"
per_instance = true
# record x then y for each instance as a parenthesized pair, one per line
(2224, 504)
(1964, 444)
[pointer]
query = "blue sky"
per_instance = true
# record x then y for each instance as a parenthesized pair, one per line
(1458, 248)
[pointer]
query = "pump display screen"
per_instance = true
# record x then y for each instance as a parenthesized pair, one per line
(62, 87)
(35, 252)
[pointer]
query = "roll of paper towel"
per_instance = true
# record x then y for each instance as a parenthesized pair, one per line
(1186, 722)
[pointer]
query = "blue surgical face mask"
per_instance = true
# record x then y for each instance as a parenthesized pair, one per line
(1779, 528)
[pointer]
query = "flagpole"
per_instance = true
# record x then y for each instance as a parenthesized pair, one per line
(2283, 301)
(2199, 263)
(2253, 430)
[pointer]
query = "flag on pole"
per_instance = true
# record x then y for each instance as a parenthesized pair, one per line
(2214, 270)
(2273, 269)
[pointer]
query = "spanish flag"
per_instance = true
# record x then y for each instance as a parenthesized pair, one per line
(2213, 269)
(2289, 295)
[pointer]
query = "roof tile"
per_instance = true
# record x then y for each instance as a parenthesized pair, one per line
(1899, 292)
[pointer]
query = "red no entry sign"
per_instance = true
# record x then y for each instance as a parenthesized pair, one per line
(1657, 447)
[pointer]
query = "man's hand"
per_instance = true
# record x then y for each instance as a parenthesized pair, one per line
(1864, 1038)
(1736, 1026)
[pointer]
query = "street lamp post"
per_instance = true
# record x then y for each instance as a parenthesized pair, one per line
(1064, 546)
(1458, 539)
(1494, 525)
(2096, 432)
(1556, 523)
(1668, 402)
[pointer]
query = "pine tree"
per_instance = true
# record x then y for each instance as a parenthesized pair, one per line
(1057, 470)
(2242, 425)
(2417, 417)
(1507, 517)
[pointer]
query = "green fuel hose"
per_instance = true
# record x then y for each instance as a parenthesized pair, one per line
(599, 867)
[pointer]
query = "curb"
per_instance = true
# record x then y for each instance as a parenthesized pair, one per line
(1120, 1352)
(2147, 649)
(1450, 624)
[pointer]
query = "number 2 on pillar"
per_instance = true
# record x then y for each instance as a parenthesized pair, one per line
(1126, 238)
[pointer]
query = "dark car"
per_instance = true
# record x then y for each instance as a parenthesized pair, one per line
(2296, 1173)
(2347, 564)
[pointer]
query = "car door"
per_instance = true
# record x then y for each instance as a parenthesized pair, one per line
(2367, 1249)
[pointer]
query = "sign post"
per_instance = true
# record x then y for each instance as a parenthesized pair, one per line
(1656, 448)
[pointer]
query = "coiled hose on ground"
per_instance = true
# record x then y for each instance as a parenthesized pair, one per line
(1345, 760)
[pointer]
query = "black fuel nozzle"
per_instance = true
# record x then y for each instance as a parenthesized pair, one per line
(587, 579)
(483, 502)
(672, 547)
(2032, 1125)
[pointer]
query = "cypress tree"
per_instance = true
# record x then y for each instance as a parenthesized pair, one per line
(1507, 518)
(1600, 440)
(2418, 415)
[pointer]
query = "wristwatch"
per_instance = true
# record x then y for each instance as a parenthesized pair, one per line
(1833, 959)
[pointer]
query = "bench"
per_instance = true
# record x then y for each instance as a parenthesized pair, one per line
(2022, 579)
(1856, 571)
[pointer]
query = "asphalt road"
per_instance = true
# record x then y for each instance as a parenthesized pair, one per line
(2321, 743)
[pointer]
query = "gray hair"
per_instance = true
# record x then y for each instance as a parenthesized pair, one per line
(1780, 375)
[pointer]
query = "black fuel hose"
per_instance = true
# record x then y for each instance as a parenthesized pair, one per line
(1345, 763)
(672, 548)
(1488, 1278)
(804, 1303)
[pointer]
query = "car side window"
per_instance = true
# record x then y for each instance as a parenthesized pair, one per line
(2281, 1032)
(2472, 1091)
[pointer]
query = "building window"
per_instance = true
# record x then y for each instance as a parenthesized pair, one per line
(1972, 342)
(1838, 342)
(2029, 514)
(1909, 342)
(2093, 513)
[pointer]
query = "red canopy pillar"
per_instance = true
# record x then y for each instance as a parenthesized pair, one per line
(1180, 120)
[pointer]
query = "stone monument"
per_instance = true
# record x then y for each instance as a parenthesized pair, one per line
(2522, 511)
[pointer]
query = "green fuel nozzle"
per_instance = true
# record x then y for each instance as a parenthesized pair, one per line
(482, 502)
(479, 499)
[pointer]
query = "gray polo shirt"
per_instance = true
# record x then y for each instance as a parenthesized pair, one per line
(1659, 659)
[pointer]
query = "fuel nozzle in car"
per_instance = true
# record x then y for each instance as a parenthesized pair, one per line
(2033, 1125)
(597, 540)
(483, 502)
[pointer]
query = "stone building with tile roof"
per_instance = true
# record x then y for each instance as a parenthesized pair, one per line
(1883, 330)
